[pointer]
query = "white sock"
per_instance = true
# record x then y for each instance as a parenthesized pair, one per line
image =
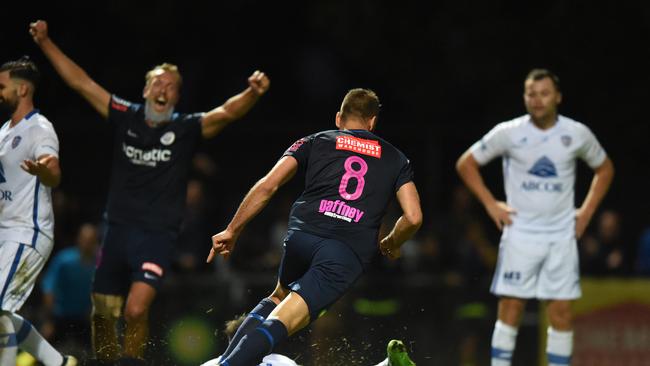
(503, 343)
(32, 342)
(559, 347)
(8, 345)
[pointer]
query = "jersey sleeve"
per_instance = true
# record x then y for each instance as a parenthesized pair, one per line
(492, 145)
(119, 110)
(45, 142)
(192, 123)
(591, 151)
(405, 174)
(300, 150)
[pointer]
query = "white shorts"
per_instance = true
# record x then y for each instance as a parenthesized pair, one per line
(537, 266)
(20, 265)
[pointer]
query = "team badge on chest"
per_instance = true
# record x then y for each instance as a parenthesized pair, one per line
(566, 140)
(168, 138)
(15, 142)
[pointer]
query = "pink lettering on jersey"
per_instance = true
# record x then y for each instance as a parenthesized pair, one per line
(296, 145)
(357, 145)
(340, 210)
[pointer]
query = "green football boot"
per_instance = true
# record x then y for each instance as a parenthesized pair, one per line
(397, 355)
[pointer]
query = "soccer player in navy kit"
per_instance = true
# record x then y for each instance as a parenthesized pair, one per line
(351, 175)
(153, 147)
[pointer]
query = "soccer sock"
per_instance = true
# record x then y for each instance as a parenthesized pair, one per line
(8, 344)
(32, 342)
(252, 321)
(559, 347)
(255, 345)
(503, 343)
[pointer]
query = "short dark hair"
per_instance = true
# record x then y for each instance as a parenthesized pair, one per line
(360, 103)
(539, 74)
(23, 68)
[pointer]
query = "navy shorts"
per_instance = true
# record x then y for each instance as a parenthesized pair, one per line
(129, 254)
(318, 269)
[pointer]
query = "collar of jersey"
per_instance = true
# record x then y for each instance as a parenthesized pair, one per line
(30, 114)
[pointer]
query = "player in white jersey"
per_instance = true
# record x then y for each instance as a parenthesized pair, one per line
(29, 167)
(538, 252)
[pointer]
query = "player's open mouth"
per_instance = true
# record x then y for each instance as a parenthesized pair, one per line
(161, 102)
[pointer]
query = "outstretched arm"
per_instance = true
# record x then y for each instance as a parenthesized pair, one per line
(70, 72)
(406, 225)
(256, 199)
(235, 107)
(46, 168)
(468, 169)
(603, 176)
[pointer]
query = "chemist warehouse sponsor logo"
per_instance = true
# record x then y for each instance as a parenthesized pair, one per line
(361, 146)
(146, 157)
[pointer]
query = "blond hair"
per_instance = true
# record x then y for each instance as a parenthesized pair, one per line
(165, 67)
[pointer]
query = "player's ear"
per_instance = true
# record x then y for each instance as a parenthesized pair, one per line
(23, 89)
(338, 120)
(372, 123)
(559, 98)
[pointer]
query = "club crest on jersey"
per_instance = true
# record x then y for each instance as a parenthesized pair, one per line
(566, 140)
(168, 138)
(15, 142)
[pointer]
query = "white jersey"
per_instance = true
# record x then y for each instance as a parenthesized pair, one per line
(539, 169)
(25, 203)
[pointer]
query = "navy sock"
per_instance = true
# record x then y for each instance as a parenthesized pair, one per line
(253, 320)
(255, 345)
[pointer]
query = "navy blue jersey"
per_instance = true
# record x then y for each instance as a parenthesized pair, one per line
(350, 178)
(150, 166)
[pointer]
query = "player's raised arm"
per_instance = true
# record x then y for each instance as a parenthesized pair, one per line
(256, 199)
(72, 74)
(236, 106)
(407, 224)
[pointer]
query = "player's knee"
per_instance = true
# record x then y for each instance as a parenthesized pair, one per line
(135, 313)
(107, 306)
(560, 316)
(279, 294)
(511, 310)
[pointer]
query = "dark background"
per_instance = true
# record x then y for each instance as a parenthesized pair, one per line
(446, 72)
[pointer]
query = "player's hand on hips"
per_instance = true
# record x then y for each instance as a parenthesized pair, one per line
(36, 167)
(259, 82)
(389, 248)
(38, 30)
(222, 244)
(500, 213)
(582, 221)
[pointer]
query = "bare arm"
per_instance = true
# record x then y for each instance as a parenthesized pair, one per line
(70, 72)
(603, 176)
(46, 168)
(407, 224)
(235, 107)
(256, 199)
(468, 170)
